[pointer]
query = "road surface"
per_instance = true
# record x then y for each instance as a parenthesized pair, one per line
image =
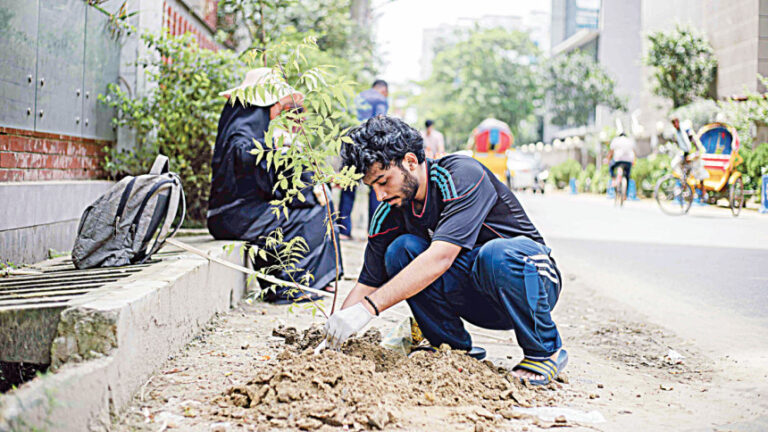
(703, 276)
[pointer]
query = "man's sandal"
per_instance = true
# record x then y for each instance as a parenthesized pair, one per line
(547, 368)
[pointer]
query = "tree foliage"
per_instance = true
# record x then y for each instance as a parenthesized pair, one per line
(341, 42)
(684, 65)
(487, 73)
(575, 85)
(178, 117)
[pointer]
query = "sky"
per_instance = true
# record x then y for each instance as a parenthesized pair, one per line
(399, 26)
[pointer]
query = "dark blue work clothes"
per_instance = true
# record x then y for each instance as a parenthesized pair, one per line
(369, 103)
(506, 284)
(241, 190)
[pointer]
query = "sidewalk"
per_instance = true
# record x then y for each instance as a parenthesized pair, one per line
(637, 375)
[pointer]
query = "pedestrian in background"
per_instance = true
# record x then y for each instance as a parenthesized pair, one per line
(434, 143)
(369, 103)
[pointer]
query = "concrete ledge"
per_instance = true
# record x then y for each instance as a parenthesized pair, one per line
(111, 340)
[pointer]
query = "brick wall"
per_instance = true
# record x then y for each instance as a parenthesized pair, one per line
(177, 24)
(211, 8)
(34, 156)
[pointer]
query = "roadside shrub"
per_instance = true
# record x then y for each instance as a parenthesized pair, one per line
(584, 180)
(600, 180)
(561, 174)
(755, 165)
(647, 171)
(178, 117)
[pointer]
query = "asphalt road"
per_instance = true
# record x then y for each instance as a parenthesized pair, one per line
(703, 275)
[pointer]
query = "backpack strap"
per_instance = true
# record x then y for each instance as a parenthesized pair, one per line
(160, 166)
(176, 199)
(123, 202)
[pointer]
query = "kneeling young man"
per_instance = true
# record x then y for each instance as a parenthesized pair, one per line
(454, 242)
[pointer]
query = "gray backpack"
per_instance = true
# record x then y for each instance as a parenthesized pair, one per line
(119, 226)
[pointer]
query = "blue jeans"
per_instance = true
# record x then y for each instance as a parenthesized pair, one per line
(346, 203)
(506, 284)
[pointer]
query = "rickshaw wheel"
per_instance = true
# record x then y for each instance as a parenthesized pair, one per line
(736, 196)
(673, 196)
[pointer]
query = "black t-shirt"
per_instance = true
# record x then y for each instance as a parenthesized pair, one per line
(466, 205)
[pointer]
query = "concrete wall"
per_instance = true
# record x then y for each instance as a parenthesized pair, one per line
(762, 48)
(733, 32)
(737, 30)
(38, 216)
(619, 51)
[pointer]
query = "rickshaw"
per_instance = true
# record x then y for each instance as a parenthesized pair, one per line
(489, 143)
(720, 158)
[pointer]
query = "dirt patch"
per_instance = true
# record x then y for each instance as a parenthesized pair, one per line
(367, 386)
(639, 345)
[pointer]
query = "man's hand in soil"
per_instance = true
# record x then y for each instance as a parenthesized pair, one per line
(344, 324)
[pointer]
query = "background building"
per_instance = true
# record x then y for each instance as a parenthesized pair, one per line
(610, 31)
(737, 30)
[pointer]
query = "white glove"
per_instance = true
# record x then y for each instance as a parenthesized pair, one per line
(344, 324)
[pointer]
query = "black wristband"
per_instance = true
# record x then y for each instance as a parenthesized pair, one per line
(373, 305)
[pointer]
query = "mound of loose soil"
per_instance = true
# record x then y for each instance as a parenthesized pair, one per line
(366, 385)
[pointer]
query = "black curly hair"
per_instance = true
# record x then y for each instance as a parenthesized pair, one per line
(381, 139)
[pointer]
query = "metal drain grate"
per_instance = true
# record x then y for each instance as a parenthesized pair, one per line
(57, 284)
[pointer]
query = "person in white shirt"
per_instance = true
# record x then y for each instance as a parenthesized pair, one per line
(622, 153)
(434, 143)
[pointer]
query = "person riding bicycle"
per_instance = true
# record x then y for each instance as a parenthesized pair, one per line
(692, 150)
(621, 153)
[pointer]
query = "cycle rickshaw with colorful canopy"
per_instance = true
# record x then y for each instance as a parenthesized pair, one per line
(720, 158)
(490, 141)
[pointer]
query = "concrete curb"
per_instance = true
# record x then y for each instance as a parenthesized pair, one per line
(112, 340)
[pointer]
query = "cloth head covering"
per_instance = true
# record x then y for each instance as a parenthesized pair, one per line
(267, 77)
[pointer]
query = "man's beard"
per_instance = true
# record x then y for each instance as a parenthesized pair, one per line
(409, 189)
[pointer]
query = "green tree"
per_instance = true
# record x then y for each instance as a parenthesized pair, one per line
(684, 65)
(317, 135)
(487, 73)
(575, 85)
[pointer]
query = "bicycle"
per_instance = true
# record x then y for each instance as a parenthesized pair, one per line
(620, 187)
(673, 194)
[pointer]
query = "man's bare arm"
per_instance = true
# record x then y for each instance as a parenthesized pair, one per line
(416, 276)
(356, 295)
